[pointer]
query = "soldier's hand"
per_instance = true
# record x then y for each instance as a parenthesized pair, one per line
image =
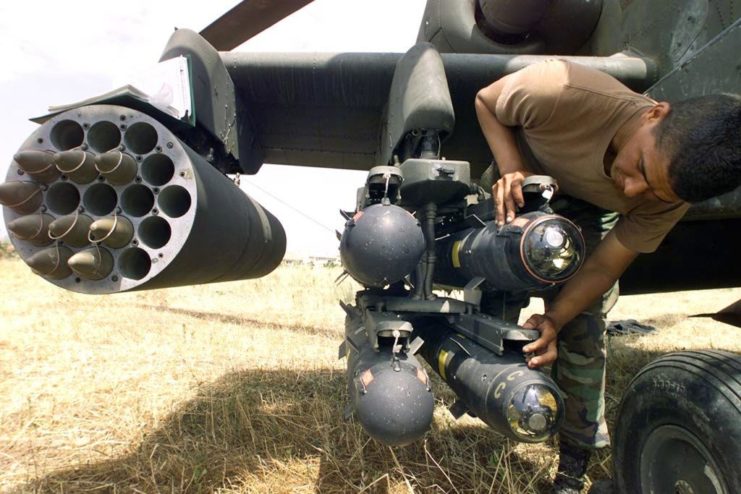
(507, 195)
(543, 349)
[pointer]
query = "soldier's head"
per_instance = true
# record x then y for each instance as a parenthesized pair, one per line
(687, 151)
(702, 139)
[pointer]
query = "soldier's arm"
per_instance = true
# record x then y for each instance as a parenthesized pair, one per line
(600, 271)
(507, 191)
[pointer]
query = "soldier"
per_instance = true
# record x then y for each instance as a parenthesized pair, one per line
(627, 167)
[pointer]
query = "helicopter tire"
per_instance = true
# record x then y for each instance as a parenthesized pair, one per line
(678, 428)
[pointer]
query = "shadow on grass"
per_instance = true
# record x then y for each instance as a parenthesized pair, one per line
(239, 320)
(281, 431)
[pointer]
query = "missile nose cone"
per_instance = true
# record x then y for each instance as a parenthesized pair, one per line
(22, 197)
(51, 262)
(117, 167)
(92, 264)
(38, 164)
(78, 165)
(115, 232)
(32, 228)
(71, 229)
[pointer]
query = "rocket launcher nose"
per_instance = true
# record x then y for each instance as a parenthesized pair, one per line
(51, 262)
(78, 165)
(117, 167)
(21, 197)
(115, 232)
(71, 229)
(94, 263)
(39, 165)
(33, 228)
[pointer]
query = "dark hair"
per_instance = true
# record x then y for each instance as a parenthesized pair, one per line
(702, 137)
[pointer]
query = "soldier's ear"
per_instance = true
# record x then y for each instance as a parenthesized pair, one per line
(658, 112)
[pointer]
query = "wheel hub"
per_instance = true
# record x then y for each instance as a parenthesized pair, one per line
(674, 460)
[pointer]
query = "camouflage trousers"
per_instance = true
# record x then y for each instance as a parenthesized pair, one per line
(579, 370)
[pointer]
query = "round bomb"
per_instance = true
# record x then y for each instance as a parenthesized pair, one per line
(381, 244)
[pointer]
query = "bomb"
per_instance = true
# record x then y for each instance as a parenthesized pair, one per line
(389, 391)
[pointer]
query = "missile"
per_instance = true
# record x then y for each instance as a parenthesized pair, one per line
(94, 263)
(32, 228)
(117, 167)
(115, 232)
(521, 403)
(39, 165)
(535, 251)
(71, 229)
(51, 262)
(389, 391)
(21, 197)
(79, 166)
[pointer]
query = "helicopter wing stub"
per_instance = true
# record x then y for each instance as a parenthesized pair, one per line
(326, 109)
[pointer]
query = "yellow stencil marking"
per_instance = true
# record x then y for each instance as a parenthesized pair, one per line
(514, 375)
(455, 253)
(499, 389)
(442, 358)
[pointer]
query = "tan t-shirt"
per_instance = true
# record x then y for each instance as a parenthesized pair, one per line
(568, 114)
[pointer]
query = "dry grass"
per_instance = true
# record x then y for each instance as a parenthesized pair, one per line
(237, 388)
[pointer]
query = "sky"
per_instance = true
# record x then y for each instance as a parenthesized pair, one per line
(62, 52)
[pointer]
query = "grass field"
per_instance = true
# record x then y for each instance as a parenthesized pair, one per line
(236, 388)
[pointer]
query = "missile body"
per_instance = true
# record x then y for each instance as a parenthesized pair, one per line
(39, 165)
(94, 263)
(71, 229)
(389, 392)
(32, 228)
(521, 403)
(21, 197)
(51, 262)
(79, 166)
(113, 232)
(117, 167)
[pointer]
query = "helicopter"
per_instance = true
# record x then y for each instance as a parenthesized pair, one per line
(118, 193)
